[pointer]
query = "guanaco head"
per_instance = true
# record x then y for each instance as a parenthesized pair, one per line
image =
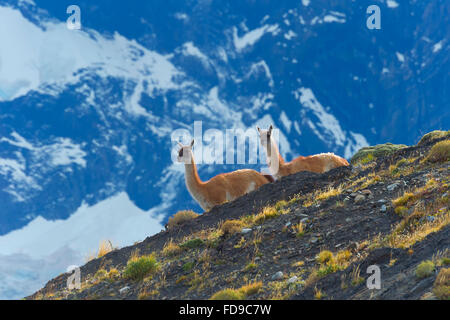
(185, 153)
(265, 135)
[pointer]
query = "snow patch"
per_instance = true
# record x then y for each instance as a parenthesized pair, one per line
(391, 4)
(250, 38)
(43, 249)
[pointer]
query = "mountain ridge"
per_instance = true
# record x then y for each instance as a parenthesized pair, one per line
(391, 211)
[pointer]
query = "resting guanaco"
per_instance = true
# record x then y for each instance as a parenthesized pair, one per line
(279, 168)
(221, 188)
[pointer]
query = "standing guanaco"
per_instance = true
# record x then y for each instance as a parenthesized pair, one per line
(221, 188)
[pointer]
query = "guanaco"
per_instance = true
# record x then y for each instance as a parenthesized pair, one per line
(279, 168)
(221, 188)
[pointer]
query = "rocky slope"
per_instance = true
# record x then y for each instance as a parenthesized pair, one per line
(307, 236)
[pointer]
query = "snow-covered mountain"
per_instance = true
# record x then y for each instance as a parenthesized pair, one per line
(86, 116)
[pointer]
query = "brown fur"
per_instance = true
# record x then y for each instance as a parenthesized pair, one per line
(221, 188)
(319, 163)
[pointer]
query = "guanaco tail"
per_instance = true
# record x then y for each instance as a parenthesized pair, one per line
(221, 188)
(279, 168)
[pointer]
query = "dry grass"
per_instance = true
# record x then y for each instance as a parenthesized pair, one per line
(440, 152)
(238, 294)
(441, 287)
(320, 195)
(104, 248)
(181, 217)
(230, 227)
(171, 249)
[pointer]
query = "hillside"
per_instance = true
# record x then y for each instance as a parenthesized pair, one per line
(307, 236)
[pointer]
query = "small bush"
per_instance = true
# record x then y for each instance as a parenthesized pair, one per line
(192, 244)
(104, 248)
(228, 294)
(266, 214)
(231, 227)
(404, 199)
(238, 294)
(300, 229)
(441, 287)
(251, 288)
(325, 257)
(171, 249)
(188, 266)
(440, 152)
(425, 269)
(181, 217)
(401, 211)
(343, 256)
(139, 267)
(250, 266)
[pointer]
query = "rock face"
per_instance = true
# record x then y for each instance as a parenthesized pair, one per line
(297, 246)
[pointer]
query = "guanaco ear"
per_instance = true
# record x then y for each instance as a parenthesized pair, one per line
(270, 129)
(259, 130)
(192, 143)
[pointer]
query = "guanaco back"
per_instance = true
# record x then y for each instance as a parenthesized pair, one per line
(319, 163)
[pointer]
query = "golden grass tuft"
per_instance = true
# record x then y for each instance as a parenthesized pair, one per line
(441, 287)
(266, 214)
(180, 218)
(171, 249)
(320, 195)
(230, 227)
(238, 294)
(440, 152)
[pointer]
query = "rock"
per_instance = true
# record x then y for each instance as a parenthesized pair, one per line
(124, 290)
(383, 208)
(246, 230)
(392, 187)
(381, 201)
(366, 192)
(304, 220)
(430, 218)
(314, 240)
(292, 280)
(353, 194)
(277, 276)
(359, 198)
(288, 224)
(348, 220)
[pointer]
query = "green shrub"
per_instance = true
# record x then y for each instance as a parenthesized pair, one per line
(188, 266)
(139, 267)
(425, 269)
(192, 244)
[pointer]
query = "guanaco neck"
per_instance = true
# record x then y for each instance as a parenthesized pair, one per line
(274, 159)
(193, 182)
